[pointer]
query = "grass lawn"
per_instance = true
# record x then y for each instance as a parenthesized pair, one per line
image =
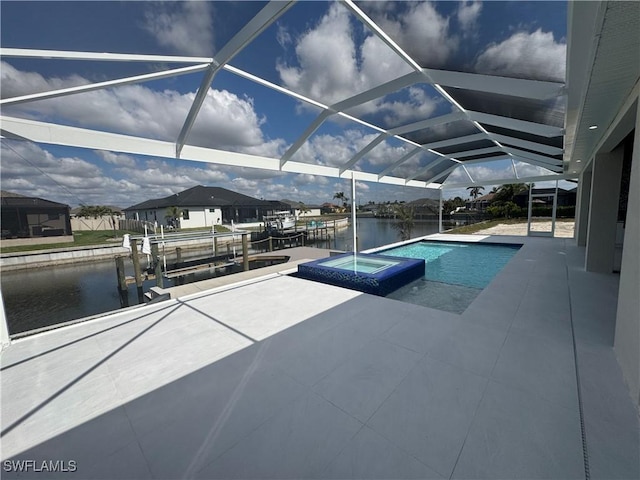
(80, 239)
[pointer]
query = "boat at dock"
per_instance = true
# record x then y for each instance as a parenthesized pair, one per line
(279, 220)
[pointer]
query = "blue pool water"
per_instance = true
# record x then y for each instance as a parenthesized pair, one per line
(467, 264)
(455, 272)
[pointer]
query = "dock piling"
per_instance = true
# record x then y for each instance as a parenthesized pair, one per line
(136, 269)
(122, 282)
(245, 252)
(158, 266)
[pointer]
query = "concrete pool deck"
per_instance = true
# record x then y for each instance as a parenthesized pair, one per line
(286, 378)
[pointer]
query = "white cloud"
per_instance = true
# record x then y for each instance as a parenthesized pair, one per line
(419, 107)
(421, 31)
(283, 36)
(532, 55)
(226, 121)
(527, 170)
(467, 14)
(332, 68)
(333, 150)
(30, 170)
(303, 179)
(327, 56)
(117, 159)
(361, 186)
(185, 27)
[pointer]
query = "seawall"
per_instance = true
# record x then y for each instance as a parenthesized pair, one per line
(68, 255)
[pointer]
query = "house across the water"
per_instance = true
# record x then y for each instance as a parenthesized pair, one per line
(29, 219)
(202, 207)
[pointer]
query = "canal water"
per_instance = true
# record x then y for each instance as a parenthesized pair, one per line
(46, 296)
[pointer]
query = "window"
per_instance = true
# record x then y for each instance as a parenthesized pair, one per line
(185, 214)
(212, 210)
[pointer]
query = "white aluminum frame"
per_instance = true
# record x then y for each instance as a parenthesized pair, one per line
(508, 147)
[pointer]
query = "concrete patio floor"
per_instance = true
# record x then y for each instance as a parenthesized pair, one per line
(286, 378)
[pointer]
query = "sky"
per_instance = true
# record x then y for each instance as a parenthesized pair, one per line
(317, 49)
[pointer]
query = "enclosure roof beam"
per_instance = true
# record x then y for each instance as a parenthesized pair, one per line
(430, 122)
(54, 134)
(251, 30)
(515, 87)
(455, 141)
(373, 144)
(377, 92)
(399, 162)
(442, 174)
(539, 129)
(303, 138)
(100, 85)
(502, 181)
(516, 142)
(99, 56)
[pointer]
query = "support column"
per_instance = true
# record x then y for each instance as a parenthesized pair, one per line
(353, 212)
(603, 211)
(627, 337)
(4, 326)
(440, 229)
(582, 207)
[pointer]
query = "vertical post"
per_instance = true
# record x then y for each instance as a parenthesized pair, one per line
(136, 269)
(440, 229)
(270, 243)
(158, 266)
(122, 282)
(215, 246)
(4, 326)
(178, 255)
(353, 212)
(554, 211)
(164, 257)
(245, 252)
(529, 209)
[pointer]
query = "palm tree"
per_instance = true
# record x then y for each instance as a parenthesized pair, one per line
(173, 214)
(404, 223)
(508, 191)
(96, 211)
(474, 192)
(341, 196)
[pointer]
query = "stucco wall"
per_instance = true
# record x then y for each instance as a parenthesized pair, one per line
(627, 339)
(201, 217)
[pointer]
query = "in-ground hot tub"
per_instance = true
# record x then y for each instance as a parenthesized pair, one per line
(365, 272)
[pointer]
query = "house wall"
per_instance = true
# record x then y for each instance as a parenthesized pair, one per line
(313, 212)
(201, 217)
(603, 210)
(198, 216)
(627, 335)
(582, 207)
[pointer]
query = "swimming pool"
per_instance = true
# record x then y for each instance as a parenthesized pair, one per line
(455, 272)
(368, 273)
